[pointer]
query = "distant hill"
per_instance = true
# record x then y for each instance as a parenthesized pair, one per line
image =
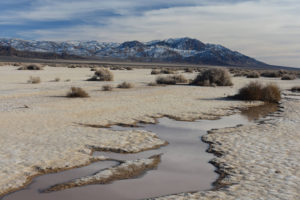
(184, 50)
(10, 51)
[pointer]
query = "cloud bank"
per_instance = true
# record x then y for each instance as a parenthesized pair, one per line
(265, 29)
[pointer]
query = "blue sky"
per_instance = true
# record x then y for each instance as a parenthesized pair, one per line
(268, 30)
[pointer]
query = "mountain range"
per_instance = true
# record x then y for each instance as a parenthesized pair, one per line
(179, 50)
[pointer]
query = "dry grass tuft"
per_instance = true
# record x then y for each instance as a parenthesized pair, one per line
(102, 74)
(57, 79)
(255, 91)
(125, 85)
(213, 77)
(34, 80)
(77, 92)
(31, 67)
(171, 80)
(107, 88)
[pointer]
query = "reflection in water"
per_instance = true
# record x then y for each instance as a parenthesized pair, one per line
(184, 164)
(256, 112)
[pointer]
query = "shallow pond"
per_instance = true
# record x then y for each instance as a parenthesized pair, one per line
(184, 165)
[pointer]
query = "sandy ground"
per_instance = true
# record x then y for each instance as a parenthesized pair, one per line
(46, 135)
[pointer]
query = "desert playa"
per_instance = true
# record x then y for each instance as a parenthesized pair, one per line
(43, 131)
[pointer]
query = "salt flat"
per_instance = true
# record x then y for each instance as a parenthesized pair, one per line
(45, 134)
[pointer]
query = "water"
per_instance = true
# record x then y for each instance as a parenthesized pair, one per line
(184, 165)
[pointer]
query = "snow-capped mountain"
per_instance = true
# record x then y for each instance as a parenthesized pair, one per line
(171, 50)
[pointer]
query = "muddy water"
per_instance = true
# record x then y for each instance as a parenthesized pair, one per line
(184, 166)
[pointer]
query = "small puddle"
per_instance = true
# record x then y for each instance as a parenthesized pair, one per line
(257, 112)
(184, 164)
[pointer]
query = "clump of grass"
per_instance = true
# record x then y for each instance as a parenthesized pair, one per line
(34, 80)
(255, 91)
(171, 80)
(125, 85)
(102, 74)
(77, 92)
(295, 89)
(107, 88)
(213, 77)
(67, 80)
(57, 79)
(253, 74)
(288, 77)
(31, 67)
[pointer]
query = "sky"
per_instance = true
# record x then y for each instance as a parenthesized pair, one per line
(268, 30)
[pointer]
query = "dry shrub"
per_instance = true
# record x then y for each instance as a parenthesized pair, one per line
(57, 79)
(77, 92)
(167, 71)
(152, 84)
(102, 74)
(253, 74)
(171, 80)
(107, 88)
(189, 70)
(213, 77)
(295, 89)
(168, 80)
(288, 77)
(117, 68)
(271, 74)
(67, 80)
(31, 67)
(34, 80)
(271, 93)
(93, 69)
(129, 68)
(255, 91)
(17, 64)
(125, 85)
(155, 71)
